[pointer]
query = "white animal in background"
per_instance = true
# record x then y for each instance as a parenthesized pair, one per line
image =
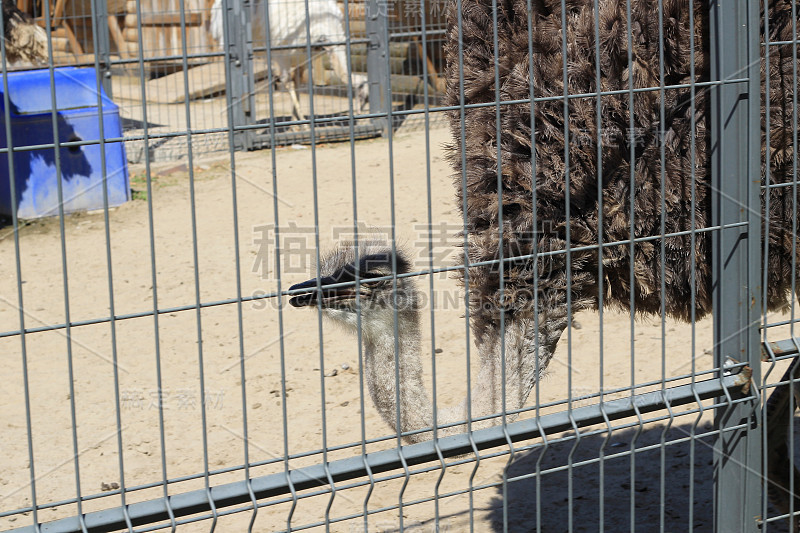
(287, 27)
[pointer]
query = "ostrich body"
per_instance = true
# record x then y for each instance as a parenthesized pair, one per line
(534, 209)
(26, 42)
(534, 296)
(541, 169)
(287, 26)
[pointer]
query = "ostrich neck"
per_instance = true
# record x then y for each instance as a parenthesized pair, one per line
(382, 369)
(528, 349)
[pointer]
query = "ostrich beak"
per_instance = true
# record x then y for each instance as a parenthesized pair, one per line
(323, 295)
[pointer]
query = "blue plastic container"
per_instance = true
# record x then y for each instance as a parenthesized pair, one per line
(78, 119)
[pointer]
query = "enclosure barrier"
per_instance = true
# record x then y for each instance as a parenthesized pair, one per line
(736, 385)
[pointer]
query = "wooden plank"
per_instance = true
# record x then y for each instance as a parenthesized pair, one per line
(160, 27)
(408, 16)
(116, 35)
(318, 69)
(68, 58)
(358, 28)
(132, 36)
(171, 19)
(397, 65)
(60, 45)
(204, 80)
(358, 10)
(396, 49)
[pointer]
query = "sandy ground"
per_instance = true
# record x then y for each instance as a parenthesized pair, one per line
(114, 367)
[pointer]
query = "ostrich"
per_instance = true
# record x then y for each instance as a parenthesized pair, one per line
(287, 26)
(26, 42)
(534, 210)
(533, 325)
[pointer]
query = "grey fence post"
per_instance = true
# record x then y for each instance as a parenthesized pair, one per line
(736, 170)
(239, 70)
(102, 41)
(377, 25)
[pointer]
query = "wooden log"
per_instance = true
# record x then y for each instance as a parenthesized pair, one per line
(192, 18)
(204, 80)
(116, 35)
(397, 65)
(358, 10)
(401, 85)
(358, 28)
(407, 85)
(318, 69)
(396, 49)
(131, 35)
(327, 63)
(60, 44)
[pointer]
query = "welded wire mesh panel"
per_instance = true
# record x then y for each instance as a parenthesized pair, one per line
(779, 193)
(416, 58)
(314, 74)
(323, 336)
(170, 58)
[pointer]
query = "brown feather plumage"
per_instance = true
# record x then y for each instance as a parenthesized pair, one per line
(540, 74)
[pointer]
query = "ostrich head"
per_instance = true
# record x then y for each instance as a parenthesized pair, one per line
(390, 329)
(376, 295)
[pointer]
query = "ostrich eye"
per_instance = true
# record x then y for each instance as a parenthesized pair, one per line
(376, 264)
(380, 284)
(379, 273)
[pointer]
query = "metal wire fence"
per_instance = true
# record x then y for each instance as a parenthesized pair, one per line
(620, 168)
